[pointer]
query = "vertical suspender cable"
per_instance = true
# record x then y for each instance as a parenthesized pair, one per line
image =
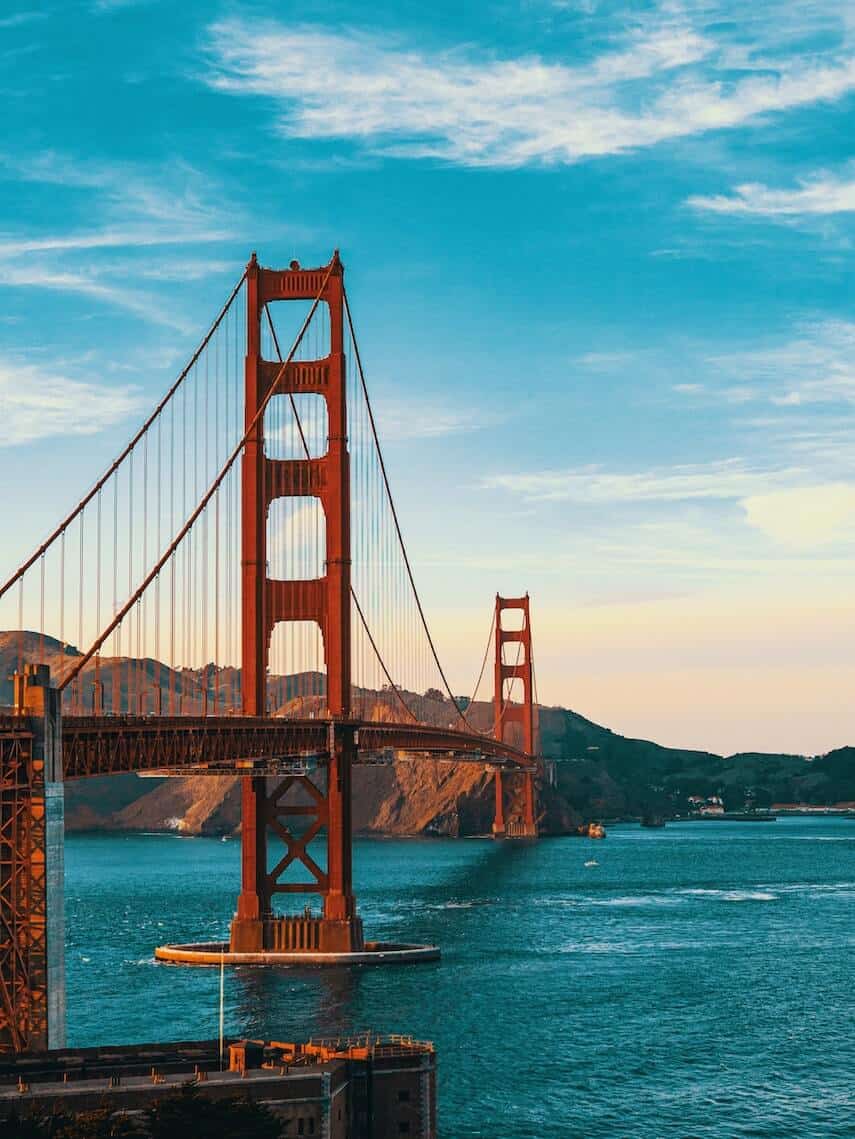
(42, 609)
(206, 498)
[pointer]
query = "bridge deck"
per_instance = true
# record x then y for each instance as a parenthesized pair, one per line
(105, 745)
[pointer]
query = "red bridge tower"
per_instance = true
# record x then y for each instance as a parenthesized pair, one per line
(507, 714)
(324, 600)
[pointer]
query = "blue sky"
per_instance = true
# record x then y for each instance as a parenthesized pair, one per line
(599, 256)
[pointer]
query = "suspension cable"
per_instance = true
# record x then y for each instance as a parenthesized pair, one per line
(483, 662)
(212, 489)
(87, 498)
(395, 520)
(359, 610)
(506, 700)
(392, 683)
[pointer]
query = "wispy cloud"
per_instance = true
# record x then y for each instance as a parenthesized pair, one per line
(820, 194)
(607, 361)
(784, 504)
(139, 303)
(297, 541)
(816, 366)
(108, 239)
(724, 479)
(114, 5)
(21, 18)
(812, 363)
(141, 209)
(399, 421)
(665, 79)
(36, 403)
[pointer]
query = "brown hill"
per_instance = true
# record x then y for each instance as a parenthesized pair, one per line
(405, 798)
(597, 773)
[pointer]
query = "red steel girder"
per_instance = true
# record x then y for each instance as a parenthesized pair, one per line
(23, 903)
(108, 745)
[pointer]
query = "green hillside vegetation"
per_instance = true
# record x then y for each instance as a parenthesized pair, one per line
(603, 773)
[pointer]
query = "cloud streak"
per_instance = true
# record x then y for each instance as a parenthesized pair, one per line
(817, 366)
(400, 421)
(821, 195)
(108, 239)
(85, 284)
(37, 404)
(724, 479)
(664, 80)
(781, 504)
(141, 210)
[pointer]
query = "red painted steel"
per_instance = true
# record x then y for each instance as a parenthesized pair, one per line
(325, 600)
(23, 894)
(23, 974)
(522, 714)
(311, 759)
(109, 745)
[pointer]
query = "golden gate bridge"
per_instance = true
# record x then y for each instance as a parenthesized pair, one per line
(234, 595)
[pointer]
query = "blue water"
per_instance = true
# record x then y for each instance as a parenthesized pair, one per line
(697, 982)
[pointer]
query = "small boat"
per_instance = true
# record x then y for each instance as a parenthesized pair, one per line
(592, 862)
(591, 830)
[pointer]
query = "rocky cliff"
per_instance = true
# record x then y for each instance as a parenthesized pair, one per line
(403, 798)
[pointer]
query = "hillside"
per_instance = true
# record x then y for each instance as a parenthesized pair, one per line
(602, 773)
(598, 774)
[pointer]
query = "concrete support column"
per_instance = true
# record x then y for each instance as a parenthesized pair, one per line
(338, 900)
(528, 804)
(499, 820)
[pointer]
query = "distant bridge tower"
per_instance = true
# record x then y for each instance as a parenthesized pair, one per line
(523, 714)
(324, 600)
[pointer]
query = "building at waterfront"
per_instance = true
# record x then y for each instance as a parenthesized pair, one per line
(367, 1087)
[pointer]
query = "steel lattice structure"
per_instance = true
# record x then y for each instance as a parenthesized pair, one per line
(111, 745)
(23, 910)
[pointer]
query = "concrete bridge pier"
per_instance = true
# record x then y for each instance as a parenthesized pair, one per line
(499, 818)
(320, 805)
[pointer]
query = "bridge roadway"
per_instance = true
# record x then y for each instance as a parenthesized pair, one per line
(108, 745)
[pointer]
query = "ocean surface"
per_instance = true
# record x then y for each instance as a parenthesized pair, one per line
(699, 981)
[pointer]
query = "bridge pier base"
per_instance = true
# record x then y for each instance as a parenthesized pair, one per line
(529, 822)
(499, 819)
(296, 809)
(524, 826)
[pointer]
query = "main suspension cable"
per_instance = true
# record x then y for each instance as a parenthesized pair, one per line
(396, 521)
(87, 498)
(211, 491)
(353, 595)
(483, 662)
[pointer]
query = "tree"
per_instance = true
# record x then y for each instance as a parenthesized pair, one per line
(25, 1127)
(103, 1123)
(187, 1114)
(434, 694)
